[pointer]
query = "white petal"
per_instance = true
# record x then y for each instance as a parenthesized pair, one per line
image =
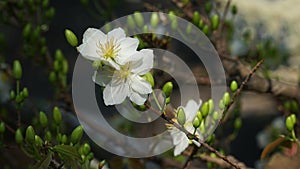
(191, 109)
(140, 85)
(145, 65)
(181, 146)
(115, 92)
(88, 48)
(128, 48)
(117, 34)
(137, 98)
(103, 76)
(93, 34)
(113, 64)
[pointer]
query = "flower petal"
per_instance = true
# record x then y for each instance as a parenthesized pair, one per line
(191, 109)
(88, 48)
(137, 98)
(128, 48)
(181, 146)
(117, 34)
(103, 76)
(143, 66)
(115, 92)
(140, 85)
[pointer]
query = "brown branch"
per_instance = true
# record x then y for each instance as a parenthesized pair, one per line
(220, 162)
(238, 92)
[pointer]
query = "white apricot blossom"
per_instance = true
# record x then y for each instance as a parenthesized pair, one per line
(179, 138)
(126, 81)
(113, 48)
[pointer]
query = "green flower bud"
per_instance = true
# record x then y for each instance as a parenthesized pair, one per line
(168, 100)
(44, 50)
(181, 116)
(76, 135)
(154, 20)
(130, 22)
(168, 88)
(97, 64)
(36, 33)
(208, 7)
(205, 109)
(210, 139)
(188, 28)
(237, 123)
(221, 104)
(101, 164)
(294, 106)
(56, 65)
(2, 127)
(233, 86)
(19, 98)
(139, 19)
(38, 141)
(64, 139)
(149, 78)
(50, 13)
(216, 116)
(29, 136)
(86, 148)
(211, 105)
(234, 9)
(205, 29)
(19, 136)
(90, 156)
(71, 38)
(289, 123)
(226, 98)
(172, 15)
(196, 122)
(142, 107)
(59, 56)
(201, 24)
(58, 137)
(107, 27)
(12, 95)
(25, 92)
(65, 66)
(17, 70)
(199, 115)
(196, 17)
(174, 24)
(202, 127)
(215, 22)
(26, 31)
(57, 115)
(52, 77)
(45, 3)
(43, 119)
(48, 136)
(294, 119)
(145, 29)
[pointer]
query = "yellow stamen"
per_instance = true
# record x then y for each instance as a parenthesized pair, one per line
(109, 49)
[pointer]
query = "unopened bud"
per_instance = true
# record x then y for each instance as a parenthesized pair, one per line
(181, 116)
(154, 19)
(43, 119)
(57, 115)
(139, 19)
(168, 88)
(17, 69)
(76, 135)
(71, 38)
(29, 136)
(215, 22)
(233, 86)
(196, 17)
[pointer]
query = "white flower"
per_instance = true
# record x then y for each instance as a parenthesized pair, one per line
(114, 48)
(126, 81)
(180, 140)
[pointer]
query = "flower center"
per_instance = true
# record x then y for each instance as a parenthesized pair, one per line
(109, 49)
(125, 71)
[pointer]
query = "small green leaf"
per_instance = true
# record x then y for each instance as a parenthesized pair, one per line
(67, 151)
(44, 163)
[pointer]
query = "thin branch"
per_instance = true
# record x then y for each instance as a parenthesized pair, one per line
(238, 92)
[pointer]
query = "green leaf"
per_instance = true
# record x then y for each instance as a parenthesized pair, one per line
(44, 163)
(67, 151)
